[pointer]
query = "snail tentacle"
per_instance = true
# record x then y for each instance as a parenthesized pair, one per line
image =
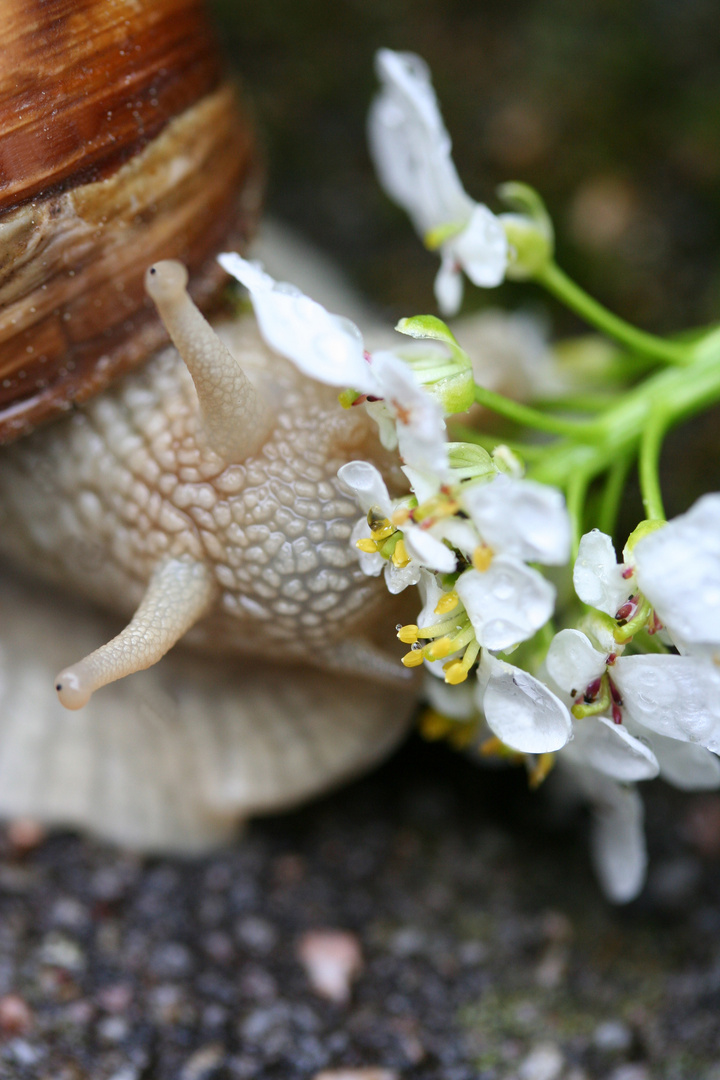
(179, 593)
(235, 420)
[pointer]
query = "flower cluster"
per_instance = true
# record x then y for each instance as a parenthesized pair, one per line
(610, 684)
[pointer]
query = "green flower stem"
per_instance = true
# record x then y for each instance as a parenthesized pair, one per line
(612, 493)
(676, 392)
(581, 430)
(570, 294)
(576, 490)
(649, 464)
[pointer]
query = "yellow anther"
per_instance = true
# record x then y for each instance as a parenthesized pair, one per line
(400, 556)
(440, 648)
(433, 725)
(482, 557)
(414, 658)
(542, 767)
(382, 532)
(366, 544)
(455, 672)
(408, 634)
(492, 747)
(400, 516)
(447, 602)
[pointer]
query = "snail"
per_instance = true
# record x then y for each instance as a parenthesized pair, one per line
(188, 490)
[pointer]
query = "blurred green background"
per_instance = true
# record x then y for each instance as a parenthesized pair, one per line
(610, 108)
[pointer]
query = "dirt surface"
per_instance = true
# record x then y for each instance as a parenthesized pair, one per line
(487, 950)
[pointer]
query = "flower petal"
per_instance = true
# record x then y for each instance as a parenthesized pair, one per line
(685, 765)
(411, 147)
(521, 518)
(678, 570)
(611, 749)
(481, 248)
(367, 485)
(597, 577)
(676, 696)
(521, 711)
(506, 603)
(573, 662)
(419, 419)
(429, 551)
(325, 347)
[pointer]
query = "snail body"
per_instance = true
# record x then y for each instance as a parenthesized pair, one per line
(196, 495)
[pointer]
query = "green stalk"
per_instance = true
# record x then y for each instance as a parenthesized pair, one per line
(564, 288)
(649, 464)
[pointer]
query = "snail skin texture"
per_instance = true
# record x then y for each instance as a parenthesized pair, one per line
(197, 492)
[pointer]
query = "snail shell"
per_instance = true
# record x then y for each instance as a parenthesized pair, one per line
(195, 494)
(120, 144)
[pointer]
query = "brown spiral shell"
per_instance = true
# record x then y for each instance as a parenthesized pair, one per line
(120, 144)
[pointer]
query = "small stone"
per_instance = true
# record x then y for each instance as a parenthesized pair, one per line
(332, 960)
(544, 1062)
(62, 952)
(115, 998)
(629, 1072)
(113, 1029)
(612, 1036)
(357, 1074)
(25, 834)
(203, 1063)
(16, 1017)
(256, 934)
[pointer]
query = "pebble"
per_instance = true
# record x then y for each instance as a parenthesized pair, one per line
(202, 1063)
(332, 960)
(16, 1017)
(630, 1072)
(357, 1074)
(612, 1036)
(25, 834)
(256, 934)
(544, 1062)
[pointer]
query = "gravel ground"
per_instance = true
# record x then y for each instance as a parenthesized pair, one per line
(487, 950)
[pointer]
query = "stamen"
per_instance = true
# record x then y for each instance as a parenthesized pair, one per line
(482, 557)
(400, 556)
(414, 658)
(367, 545)
(540, 770)
(408, 634)
(439, 649)
(447, 602)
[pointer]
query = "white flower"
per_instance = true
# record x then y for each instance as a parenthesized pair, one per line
(676, 697)
(617, 840)
(411, 150)
(330, 348)
(507, 603)
(425, 550)
(678, 570)
(598, 578)
(520, 518)
(521, 710)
